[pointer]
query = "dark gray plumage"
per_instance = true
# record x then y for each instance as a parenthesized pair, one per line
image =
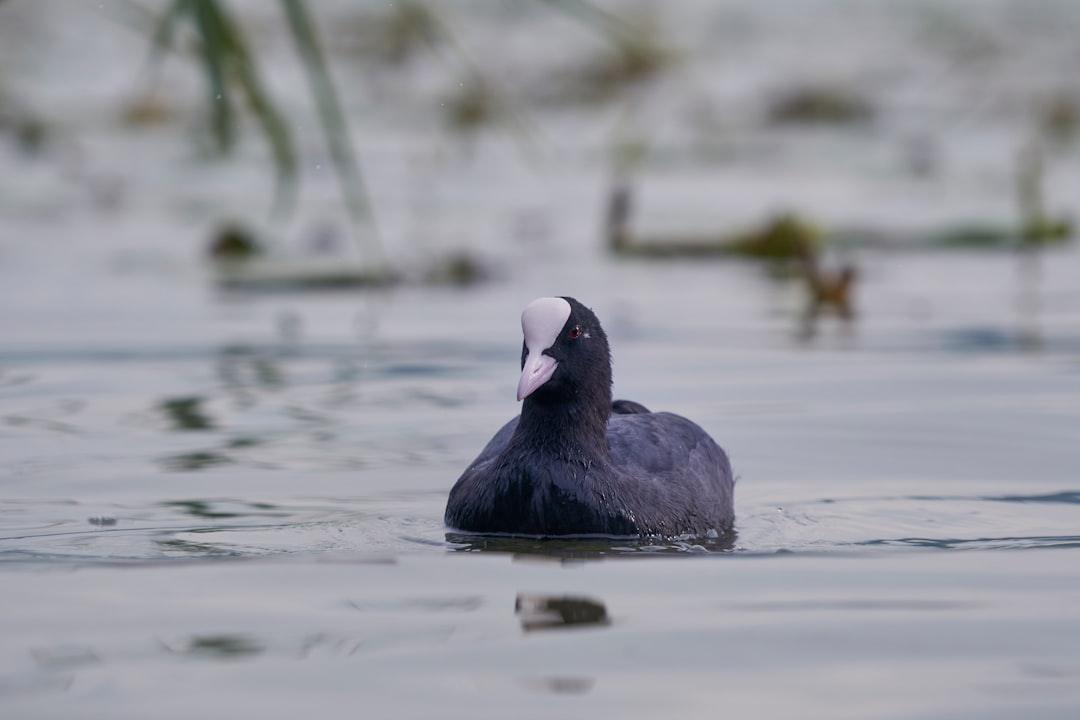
(575, 463)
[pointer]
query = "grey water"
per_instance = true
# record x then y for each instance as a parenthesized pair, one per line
(230, 503)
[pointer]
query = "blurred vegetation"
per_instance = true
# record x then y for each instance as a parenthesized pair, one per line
(474, 105)
(1059, 118)
(821, 104)
(231, 70)
(1037, 227)
(828, 290)
(28, 130)
(398, 34)
(635, 53)
(234, 242)
(459, 269)
(782, 237)
(334, 127)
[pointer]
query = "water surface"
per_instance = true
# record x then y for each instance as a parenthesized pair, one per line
(215, 502)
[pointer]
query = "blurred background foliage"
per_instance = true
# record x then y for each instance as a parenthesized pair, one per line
(392, 37)
(648, 68)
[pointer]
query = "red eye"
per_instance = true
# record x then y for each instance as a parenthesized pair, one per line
(575, 332)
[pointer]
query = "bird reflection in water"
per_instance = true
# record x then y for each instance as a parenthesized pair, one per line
(557, 612)
(551, 612)
(576, 549)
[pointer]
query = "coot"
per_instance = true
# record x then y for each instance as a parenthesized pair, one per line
(575, 463)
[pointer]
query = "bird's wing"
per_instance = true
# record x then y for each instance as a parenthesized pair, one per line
(674, 478)
(663, 444)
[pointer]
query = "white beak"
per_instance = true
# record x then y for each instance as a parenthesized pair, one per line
(538, 370)
(541, 322)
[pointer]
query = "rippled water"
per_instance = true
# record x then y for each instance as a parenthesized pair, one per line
(866, 463)
(222, 503)
(891, 436)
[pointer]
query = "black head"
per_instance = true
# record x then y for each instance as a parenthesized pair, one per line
(565, 355)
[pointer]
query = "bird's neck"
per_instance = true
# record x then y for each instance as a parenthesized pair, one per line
(576, 427)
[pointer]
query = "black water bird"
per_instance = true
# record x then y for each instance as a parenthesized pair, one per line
(575, 463)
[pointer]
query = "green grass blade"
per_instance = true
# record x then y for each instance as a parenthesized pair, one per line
(335, 129)
(228, 51)
(215, 51)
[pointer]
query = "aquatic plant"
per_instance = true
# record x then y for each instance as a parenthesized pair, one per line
(1037, 226)
(334, 128)
(230, 69)
(783, 237)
